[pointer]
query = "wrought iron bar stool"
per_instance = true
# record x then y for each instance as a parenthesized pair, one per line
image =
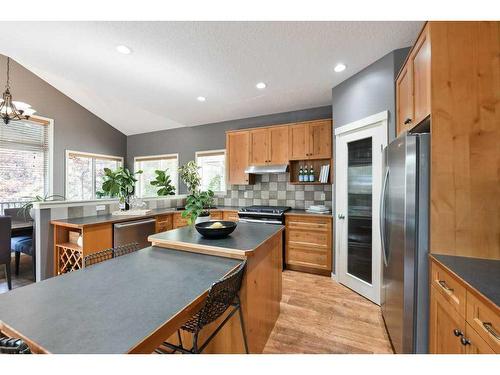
(107, 254)
(125, 249)
(222, 295)
(13, 346)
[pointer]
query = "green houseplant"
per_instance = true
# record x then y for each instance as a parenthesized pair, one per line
(197, 202)
(119, 183)
(26, 208)
(163, 182)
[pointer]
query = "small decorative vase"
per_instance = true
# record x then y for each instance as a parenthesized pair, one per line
(202, 218)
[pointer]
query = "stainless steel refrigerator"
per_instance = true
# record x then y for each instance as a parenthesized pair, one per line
(404, 227)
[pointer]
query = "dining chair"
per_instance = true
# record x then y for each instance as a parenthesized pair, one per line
(24, 243)
(5, 228)
(10, 345)
(222, 294)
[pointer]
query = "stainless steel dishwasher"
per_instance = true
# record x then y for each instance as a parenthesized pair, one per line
(133, 231)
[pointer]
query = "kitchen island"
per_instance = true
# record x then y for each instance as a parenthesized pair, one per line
(261, 246)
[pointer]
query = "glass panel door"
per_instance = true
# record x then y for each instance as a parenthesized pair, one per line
(359, 209)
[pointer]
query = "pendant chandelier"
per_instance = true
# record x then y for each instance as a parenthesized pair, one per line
(11, 110)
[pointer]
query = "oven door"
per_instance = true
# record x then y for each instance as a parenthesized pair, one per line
(261, 218)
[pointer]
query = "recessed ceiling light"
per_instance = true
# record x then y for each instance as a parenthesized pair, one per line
(261, 85)
(201, 99)
(339, 67)
(124, 49)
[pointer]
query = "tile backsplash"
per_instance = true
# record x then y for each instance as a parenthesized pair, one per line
(276, 190)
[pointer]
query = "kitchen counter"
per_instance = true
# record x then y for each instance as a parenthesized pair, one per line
(245, 239)
(81, 222)
(481, 274)
(262, 248)
(129, 304)
(304, 212)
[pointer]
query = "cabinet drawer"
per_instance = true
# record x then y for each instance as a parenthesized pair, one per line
(449, 287)
(163, 223)
(306, 237)
(307, 256)
(230, 215)
(179, 221)
(476, 344)
(215, 215)
(309, 223)
(485, 320)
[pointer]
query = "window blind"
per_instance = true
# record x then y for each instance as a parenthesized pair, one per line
(24, 160)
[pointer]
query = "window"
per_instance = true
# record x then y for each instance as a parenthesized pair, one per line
(25, 153)
(148, 165)
(212, 169)
(85, 172)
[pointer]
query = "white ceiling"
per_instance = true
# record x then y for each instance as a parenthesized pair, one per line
(173, 63)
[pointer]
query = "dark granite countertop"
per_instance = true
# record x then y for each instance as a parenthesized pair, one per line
(304, 212)
(245, 238)
(114, 305)
(482, 274)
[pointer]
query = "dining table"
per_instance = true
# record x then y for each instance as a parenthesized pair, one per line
(128, 304)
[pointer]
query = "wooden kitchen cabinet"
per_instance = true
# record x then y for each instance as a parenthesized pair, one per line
(178, 221)
(238, 153)
(461, 320)
(215, 215)
(163, 223)
(230, 215)
(269, 145)
(447, 326)
(308, 243)
(311, 140)
(413, 85)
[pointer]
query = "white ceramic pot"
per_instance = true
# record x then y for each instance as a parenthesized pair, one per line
(202, 219)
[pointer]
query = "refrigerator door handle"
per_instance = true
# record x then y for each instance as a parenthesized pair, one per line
(382, 217)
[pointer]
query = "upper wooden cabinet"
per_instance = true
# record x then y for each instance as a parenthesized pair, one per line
(311, 140)
(238, 151)
(413, 85)
(269, 145)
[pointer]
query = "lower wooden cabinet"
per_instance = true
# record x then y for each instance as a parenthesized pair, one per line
(163, 223)
(178, 221)
(308, 243)
(230, 215)
(462, 321)
(215, 215)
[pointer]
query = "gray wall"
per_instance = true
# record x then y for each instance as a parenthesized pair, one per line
(75, 128)
(370, 91)
(186, 141)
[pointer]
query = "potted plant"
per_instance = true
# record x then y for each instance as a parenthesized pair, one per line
(198, 202)
(162, 181)
(120, 183)
(27, 208)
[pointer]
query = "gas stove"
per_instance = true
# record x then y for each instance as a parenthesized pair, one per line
(263, 214)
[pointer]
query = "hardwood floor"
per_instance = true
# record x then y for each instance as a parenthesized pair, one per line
(318, 315)
(25, 274)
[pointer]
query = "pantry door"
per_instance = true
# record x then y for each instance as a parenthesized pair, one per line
(358, 181)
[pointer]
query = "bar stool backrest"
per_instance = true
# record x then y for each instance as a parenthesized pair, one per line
(13, 346)
(125, 249)
(221, 295)
(98, 257)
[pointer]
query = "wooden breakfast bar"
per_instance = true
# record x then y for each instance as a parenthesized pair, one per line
(261, 291)
(132, 303)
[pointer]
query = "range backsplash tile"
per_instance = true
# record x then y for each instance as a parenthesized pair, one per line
(275, 190)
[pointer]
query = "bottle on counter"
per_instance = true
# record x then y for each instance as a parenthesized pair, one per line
(306, 174)
(311, 174)
(301, 174)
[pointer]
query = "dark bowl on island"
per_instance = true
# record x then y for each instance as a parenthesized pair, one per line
(205, 229)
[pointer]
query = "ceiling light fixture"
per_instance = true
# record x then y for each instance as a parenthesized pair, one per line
(124, 49)
(11, 110)
(339, 67)
(261, 85)
(201, 99)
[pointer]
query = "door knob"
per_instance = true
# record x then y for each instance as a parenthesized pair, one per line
(407, 121)
(341, 217)
(457, 332)
(465, 341)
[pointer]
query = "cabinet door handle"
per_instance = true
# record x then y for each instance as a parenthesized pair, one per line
(457, 332)
(465, 341)
(407, 121)
(489, 327)
(445, 286)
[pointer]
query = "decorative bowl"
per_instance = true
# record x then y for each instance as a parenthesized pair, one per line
(217, 232)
